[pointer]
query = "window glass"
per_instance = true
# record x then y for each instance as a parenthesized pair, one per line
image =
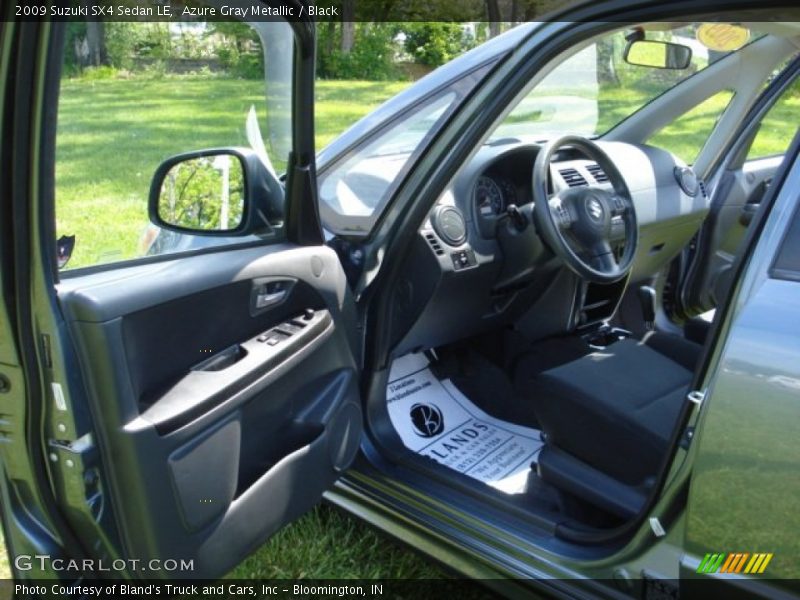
(353, 192)
(776, 132)
(595, 89)
(687, 134)
(148, 92)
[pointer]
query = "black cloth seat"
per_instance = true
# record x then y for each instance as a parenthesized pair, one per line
(615, 409)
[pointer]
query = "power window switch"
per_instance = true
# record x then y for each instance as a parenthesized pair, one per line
(289, 328)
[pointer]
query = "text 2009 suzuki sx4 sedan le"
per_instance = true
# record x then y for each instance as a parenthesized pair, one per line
(498, 318)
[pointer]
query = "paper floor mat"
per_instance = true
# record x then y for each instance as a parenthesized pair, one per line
(435, 419)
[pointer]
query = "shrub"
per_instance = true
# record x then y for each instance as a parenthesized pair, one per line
(434, 44)
(98, 73)
(372, 56)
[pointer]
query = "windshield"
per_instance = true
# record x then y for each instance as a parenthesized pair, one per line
(595, 89)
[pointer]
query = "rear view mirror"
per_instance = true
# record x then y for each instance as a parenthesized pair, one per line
(202, 192)
(657, 54)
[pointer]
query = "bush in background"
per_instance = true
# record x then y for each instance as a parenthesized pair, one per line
(372, 56)
(434, 44)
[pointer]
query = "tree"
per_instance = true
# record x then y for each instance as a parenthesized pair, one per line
(348, 26)
(606, 70)
(96, 51)
(493, 16)
(96, 43)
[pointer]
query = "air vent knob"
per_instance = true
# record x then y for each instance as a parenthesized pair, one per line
(450, 225)
(687, 179)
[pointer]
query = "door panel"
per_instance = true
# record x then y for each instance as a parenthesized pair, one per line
(752, 161)
(736, 202)
(227, 378)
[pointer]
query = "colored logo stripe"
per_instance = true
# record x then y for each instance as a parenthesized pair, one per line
(758, 563)
(711, 563)
(735, 562)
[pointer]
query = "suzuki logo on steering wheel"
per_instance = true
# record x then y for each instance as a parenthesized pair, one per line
(595, 209)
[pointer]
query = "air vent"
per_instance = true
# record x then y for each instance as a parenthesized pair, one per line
(434, 244)
(573, 178)
(597, 172)
(702, 187)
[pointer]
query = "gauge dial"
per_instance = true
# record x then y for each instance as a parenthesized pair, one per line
(509, 193)
(488, 197)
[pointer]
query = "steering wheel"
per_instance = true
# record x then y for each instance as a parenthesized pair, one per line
(578, 224)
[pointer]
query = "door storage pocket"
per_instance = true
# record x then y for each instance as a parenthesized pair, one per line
(265, 451)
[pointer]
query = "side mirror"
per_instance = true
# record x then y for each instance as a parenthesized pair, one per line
(225, 191)
(657, 54)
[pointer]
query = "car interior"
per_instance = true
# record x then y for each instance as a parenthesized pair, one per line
(554, 306)
(545, 327)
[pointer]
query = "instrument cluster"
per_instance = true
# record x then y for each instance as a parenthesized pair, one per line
(493, 196)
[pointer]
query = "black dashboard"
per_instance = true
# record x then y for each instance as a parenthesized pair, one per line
(461, 279)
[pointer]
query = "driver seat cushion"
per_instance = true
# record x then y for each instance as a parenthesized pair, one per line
(615, 409)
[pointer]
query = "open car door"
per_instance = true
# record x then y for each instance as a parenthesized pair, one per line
(746, 174)
(179, 408)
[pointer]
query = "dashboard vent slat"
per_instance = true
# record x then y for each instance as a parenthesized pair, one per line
(597, 172)
(434, 244)
(573, 178)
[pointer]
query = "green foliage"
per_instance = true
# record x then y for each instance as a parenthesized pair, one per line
(121, 43)
(195, 194)
(240, 51)
(372, 56)
(150, 40)
(98, 73)
(434, 44)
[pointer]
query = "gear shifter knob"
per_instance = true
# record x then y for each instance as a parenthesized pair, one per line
(647, 298)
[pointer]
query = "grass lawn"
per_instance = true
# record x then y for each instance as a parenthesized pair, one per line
(113, 134)
(328, 544)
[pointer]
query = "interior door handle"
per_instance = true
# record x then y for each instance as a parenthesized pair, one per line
(268, 292)
(267, 299)
(748, 212)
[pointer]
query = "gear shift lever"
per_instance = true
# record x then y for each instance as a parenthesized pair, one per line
(647, 298)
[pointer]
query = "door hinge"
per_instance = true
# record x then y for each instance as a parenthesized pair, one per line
(696, 397)
(657, 527)
(73, 453)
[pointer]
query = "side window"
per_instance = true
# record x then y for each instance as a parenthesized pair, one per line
(774, 137)
(787, 262)
(354, 192)
(687, 134)
(146, 92)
